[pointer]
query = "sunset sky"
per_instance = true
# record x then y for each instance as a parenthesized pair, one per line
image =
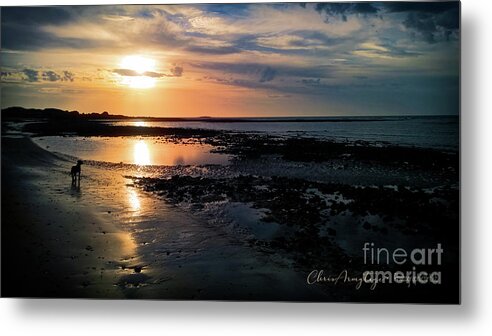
(234, 60)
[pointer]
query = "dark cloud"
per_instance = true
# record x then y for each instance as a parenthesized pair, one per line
(22, 29)
(34, 75)
(147, 73)
(313, 38)
(304, 86)
(292, 79)
(311, 81)
(68, 76)
(234, 9)
(343, 10)
(36, 15)
(175, 71)
(51, 76)
(127, 72)
(31, 74)
(433, 27)
(267, 74)
(422, 7)
(147, 13)
(258, 71)
(20, 37)
(245, 83)
(432, 21)
(213, 50)
(20, 26)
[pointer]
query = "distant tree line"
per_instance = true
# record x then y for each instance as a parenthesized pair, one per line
(17, 112)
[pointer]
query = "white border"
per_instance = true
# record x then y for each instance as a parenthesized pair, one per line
(93, 317)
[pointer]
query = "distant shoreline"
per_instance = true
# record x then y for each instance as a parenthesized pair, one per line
(16, 112)
(280, 119)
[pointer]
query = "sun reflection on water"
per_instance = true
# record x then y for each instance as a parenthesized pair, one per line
(141, 153)
(133, 200)
(140, 123)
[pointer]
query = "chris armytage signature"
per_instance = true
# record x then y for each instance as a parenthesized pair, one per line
(319, 277)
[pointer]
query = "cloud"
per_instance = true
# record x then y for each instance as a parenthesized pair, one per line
(151, 74)
(240, 82)
(275, 50)
(22, 28)
(277, 96)
(432, 21)
(68, 76)
(85, 27)
(36, 15)
(175, 71)
(127, 72)
(267, 74)
(299, 40)
(311, 81)
(213, 50)
(342, 10)
(34, 75)
(383, 50)
(27, 37)
(433, 28)
(422, 7)
(31, 74)
(51, 76)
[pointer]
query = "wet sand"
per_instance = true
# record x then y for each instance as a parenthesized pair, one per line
(253, 229)
(51, 246)
(108, 239)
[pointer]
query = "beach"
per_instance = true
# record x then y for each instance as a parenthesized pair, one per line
(214, 214)
(80, 242)
(51, 241)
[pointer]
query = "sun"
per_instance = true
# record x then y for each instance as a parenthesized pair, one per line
(140, 66)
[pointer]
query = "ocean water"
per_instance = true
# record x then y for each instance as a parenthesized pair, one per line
(132, 150)
(427, 132)
(440, 132)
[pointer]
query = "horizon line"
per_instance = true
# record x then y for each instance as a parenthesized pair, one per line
(239, 117)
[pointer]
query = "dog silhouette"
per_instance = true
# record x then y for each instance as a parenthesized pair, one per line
(75, 172)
